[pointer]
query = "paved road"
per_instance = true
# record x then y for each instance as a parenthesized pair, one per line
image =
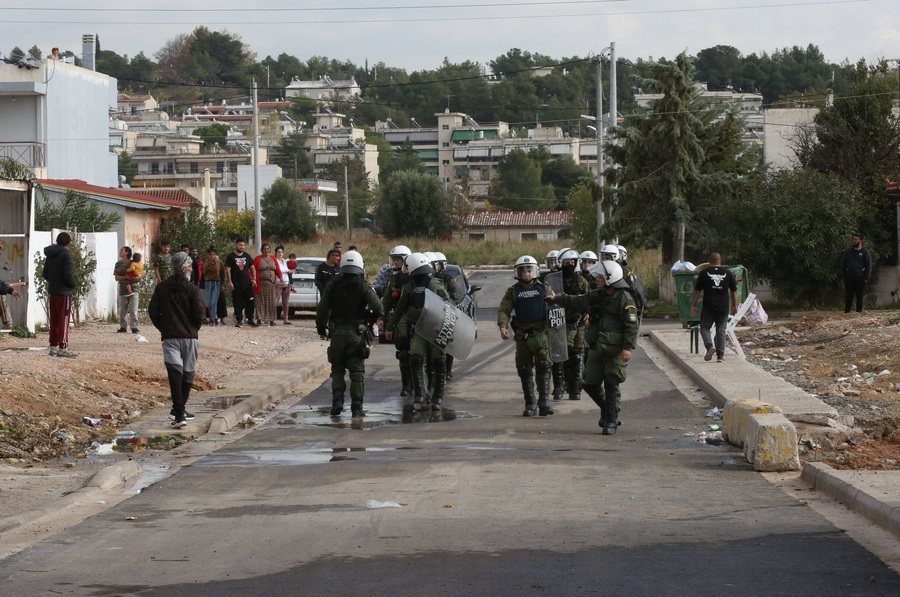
(490, 502)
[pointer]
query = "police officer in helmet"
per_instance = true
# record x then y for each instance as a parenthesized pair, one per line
(390, 298)
(348, 306)
(611, 336)
(529, 327)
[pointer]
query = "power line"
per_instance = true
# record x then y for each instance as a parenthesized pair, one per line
(377, 22)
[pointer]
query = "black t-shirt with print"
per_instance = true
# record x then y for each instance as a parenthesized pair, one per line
(717, 283)
(240, 268)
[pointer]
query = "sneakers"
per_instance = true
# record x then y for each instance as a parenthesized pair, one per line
(121, 330)
(254, 323)
(135, 331)
(239, 324)
(720, 360)
(53, 351)
(177, 423)
(710, 353)
(187, 415)
(65, 352)
(286, 322)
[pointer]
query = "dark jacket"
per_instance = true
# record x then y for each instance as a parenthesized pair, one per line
(5, 288)
(59, 270)
(177, 308)
(857, 263)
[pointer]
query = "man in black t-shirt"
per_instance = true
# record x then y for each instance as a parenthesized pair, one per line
(857, 269)
(716, 283)
(328, 269)
(241, 275)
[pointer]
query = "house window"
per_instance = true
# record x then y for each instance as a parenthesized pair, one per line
(232, 167)
(476, 236)
(445, 127)
(170, 168)
(154, 168)
(445, 144)
(446, 162)
(529, 236)
(220, 167)
(195, 168)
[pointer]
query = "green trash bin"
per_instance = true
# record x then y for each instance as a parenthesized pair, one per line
(684, 291)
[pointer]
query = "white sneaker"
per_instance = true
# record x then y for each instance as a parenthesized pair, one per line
(53, 351)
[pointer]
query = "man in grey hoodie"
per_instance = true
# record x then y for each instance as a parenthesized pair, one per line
(59, 271)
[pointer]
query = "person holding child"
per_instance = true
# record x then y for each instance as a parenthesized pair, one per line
(128, 271)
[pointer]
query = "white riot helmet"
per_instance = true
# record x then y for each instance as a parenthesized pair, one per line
(440, 257)
(567, 255)
(609, 253)
(527, 263)
(352, 263)
(551, 261)
(418, 264)
(609, 271)
(430, 257)
(588, 258)
(623, 254)
(401, 251)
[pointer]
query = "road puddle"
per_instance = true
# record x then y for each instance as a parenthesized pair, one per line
(128, 441)
(378, 415)
(223, 402)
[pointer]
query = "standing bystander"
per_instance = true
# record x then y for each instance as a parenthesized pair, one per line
(59, 271)
(241, 276)
(857, 268)
(127, 299)
(162, 265)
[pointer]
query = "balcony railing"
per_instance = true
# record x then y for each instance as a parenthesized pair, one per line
(30, 154)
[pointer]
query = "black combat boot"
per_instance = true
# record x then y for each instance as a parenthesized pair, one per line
(559, 386)
(437, 395)
(356, 409)
(526, 374)
(542, 379)
(574, 369)
(611, 412)
(417, 374)
(337, 405)
(405, 379)
(596, 394)
(449, 374)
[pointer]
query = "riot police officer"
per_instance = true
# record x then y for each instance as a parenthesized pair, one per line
(399, 277)
(586, 260)
(409, 308)
(529, 327)
(619, 254)
(455, 288)
(612, 336)
(573, 285)
(348, 306)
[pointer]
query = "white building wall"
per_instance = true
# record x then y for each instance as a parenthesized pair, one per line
(268, 174)
(779, 127)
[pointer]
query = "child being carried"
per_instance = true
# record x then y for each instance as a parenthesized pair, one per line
(134, 271)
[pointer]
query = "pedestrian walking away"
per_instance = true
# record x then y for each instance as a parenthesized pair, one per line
(348, 308)
(611, 336)
(529, 328)
(717, 285)
(857, 270)
(59, 272)
(177, 310)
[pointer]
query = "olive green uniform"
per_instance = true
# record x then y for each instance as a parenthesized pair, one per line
(574, 285)
(409, 308)
(401, 334)
(613, 328)
(530, 333)
(348, 305)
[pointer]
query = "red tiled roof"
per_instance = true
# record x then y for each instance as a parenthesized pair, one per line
(178, 195)
(125, 194)
(519, 219)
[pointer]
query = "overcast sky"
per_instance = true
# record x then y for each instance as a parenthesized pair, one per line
(419, 35)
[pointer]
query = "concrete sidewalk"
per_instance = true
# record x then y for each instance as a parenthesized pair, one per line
(736, 383)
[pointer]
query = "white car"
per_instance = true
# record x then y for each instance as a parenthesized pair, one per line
(304, 294)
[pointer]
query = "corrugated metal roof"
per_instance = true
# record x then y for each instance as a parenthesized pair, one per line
(128, 195)
(519, 219)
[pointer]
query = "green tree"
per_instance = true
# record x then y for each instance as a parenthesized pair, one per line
(193, 226)
(562, 174)
(789, 233)
(404, 157)
(232, 224)
(127, 167)
(13, 170)
(212, 135)
(293, 156)
(287, 213)
(582, 200)
(36, 52)
(413, 204)
(359, 194)
(518, 185)
(75, 211)
(677, 163)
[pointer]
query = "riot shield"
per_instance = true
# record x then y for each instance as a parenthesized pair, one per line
(445, 326)
(455, 281)
(556, 320)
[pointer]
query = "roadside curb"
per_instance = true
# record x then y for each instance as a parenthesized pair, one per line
(105, 479)
(228, 418)
(881, 512)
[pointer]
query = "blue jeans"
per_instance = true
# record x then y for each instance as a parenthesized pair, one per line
(213, 287)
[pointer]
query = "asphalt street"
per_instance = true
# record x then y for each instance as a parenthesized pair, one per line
(480, 500)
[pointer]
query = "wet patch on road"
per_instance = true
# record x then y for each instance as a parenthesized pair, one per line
(382, 414)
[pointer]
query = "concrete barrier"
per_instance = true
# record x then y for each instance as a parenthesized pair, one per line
(771, 444)
(736, 418)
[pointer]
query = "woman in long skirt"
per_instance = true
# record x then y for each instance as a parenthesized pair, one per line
(268, 271)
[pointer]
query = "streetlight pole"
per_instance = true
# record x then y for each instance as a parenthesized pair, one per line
(601, 219)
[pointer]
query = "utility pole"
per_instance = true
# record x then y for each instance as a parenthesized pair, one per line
(346, 202)
(613, 109)
(257, 216)
(600, 219)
